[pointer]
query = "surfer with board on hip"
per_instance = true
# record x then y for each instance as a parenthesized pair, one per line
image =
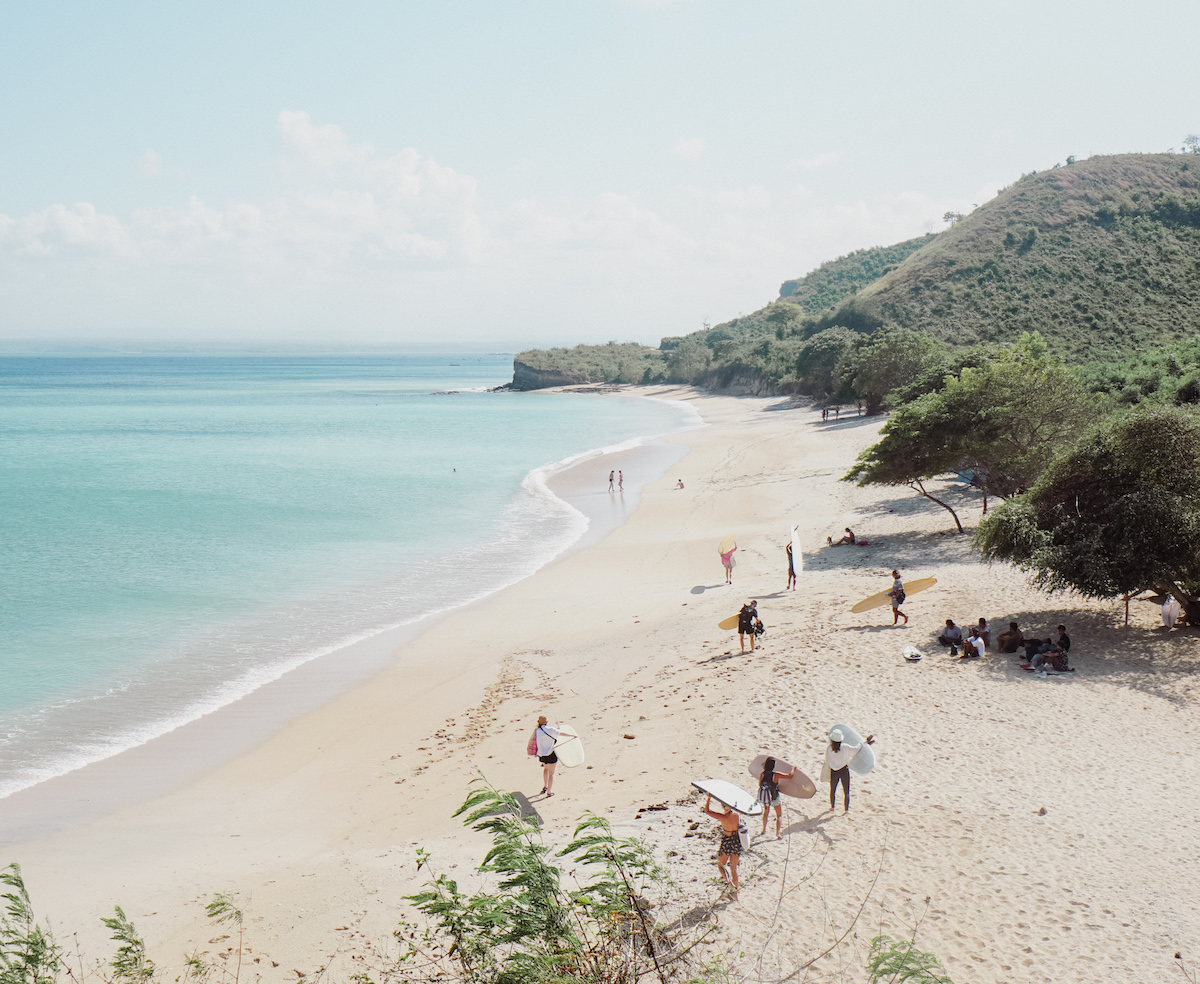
(769, 795)
(730, 849)
(748, 624)
(898, 596)
(837, 760)
(546, 737)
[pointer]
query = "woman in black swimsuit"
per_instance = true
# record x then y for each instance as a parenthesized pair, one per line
(731, 844)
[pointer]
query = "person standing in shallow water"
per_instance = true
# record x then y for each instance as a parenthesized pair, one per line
(546, 737)
(837, 758)
(620, 481)
(611, 476)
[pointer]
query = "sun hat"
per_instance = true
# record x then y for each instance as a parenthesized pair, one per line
(835, 734)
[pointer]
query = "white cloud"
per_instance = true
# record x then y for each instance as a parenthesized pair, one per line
(151, 163)
(361, 245)
(816, 161)
(690, 148)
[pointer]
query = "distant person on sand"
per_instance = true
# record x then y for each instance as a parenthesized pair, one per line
(546, 736)
(730, 850)
(951, 636)
(848, 538)
(769, 796)
(679, 484)
(1011, 640)
(974, 647)
(727, 563)
(746, 627)
(620, 481)
(898, 596)
(984, 632)
(611, 475)
(837, 757)
(791, 567)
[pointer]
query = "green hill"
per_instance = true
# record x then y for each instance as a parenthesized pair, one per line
(833, 281)
(1101, 256)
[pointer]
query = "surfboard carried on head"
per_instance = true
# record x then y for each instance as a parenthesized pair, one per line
(734, 797)
(864, 761)
(568, 746)
(885, 597)
(799, 785)
(727, 544)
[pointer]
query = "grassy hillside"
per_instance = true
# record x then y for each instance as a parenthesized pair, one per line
(831, 282)
(1101, 256)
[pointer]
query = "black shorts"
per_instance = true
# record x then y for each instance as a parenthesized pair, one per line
(548, 759)
(731, 845)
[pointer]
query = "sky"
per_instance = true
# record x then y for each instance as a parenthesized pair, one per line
(495, 176)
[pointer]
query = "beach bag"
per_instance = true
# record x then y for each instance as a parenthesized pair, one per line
(899, 596)
(531, 748)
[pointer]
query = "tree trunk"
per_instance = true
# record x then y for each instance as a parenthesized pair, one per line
(917, 486)
(1188, 602)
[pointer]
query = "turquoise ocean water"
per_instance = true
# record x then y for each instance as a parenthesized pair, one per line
(177, 531)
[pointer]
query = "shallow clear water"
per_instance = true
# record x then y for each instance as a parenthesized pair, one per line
(177, 531)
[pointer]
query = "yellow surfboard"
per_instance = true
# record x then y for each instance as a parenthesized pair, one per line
(885, 597)
(728, 623)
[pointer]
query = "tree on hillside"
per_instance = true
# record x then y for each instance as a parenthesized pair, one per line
(1192, 143)
(1116, 514)
(951, 217)
(887, 359)
(1001, 422)
(819, 359)
(687, 361)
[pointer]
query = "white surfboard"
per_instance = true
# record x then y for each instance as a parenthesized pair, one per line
(732, 796)
(1170, 612)
(568, 746)
(864, 761)
(797, 558)
(913, 654)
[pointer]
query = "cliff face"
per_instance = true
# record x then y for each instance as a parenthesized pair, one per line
(526, 377)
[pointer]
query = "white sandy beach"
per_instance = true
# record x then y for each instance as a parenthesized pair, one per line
(315, 827)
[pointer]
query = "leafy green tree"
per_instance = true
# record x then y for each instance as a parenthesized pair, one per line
(1117, 513)
(889, 358)
(688, 361)
(1003, 422)
(820, 358)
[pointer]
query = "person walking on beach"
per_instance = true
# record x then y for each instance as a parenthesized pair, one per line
(620, 481)
(768, 794)
(746, 627)
(837, 759)
(727, 563)
(611, 476)
(546, 736)
(791, 567)
(897, 594)
(730, 850)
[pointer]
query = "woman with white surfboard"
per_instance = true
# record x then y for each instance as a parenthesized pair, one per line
(546, 737)
(838, 756)
(730, 850)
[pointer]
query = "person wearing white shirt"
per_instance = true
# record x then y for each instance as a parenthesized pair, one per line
(975, 645)
(546, 736)
(837, 758)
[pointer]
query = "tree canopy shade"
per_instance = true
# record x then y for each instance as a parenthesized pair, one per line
(1116, 514)
(1002, 422)
(889, 358)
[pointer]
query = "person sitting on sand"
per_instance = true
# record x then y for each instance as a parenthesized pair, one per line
(746, 619)
(1010, 640)
(730, 850)
(848, 538)
(984, 632)
(1064, 640)
(679, 484)
(951, 636)
(1053, 658)
(769, 796)
(974, 647)
(546, 736)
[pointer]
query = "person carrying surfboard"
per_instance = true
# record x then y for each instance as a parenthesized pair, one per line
(730, 850)
(897, 594)
(546, 736)
(837, 758)
(747, 618)
(791, 582)
(727, 563)
(769, 795)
